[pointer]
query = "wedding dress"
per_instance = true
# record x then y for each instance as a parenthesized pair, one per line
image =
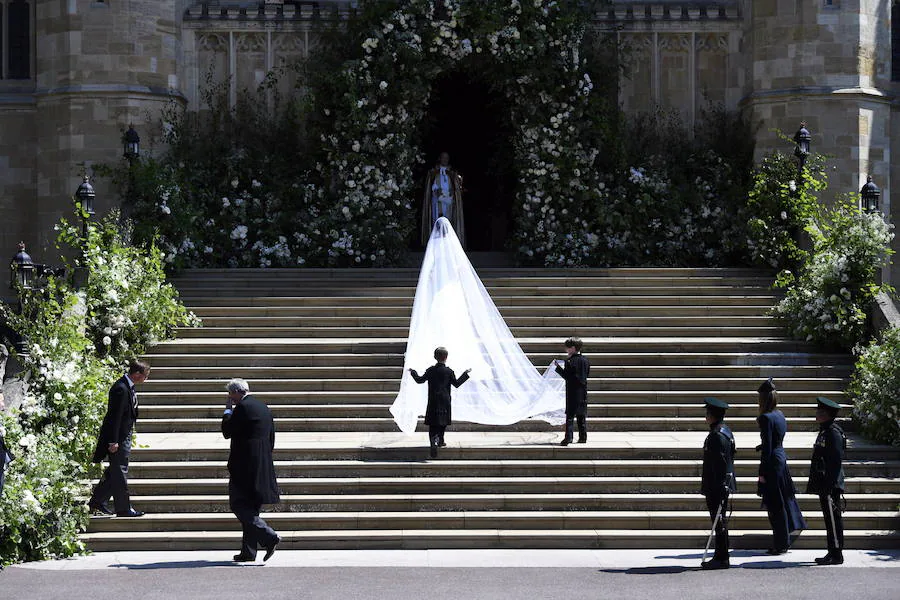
(452, 308)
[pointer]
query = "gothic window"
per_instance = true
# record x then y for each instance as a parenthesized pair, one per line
(15, 39)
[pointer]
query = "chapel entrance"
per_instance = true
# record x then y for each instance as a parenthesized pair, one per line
(469, 121)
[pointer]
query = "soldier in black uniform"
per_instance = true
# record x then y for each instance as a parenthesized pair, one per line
(718, 478)
(826, 477)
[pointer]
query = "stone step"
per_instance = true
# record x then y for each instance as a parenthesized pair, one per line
(599, 360)
(466, 520)
(369, 411)
(474, 538)
(483, 485)
(210, 469)
(582, 331)
(249, 346)
(818, 384)
(368, 274)
(287, 291)
(543, 276)
(403, 309)
(525, 323)
(694, 398)
(529, 300)
(387, 424)
(334, 371)
(612, 280)
(218, 503)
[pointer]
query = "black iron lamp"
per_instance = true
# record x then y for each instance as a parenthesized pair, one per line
(132, 142)
(85, 195)
(21, 270)
(802, 140)
(870, 194)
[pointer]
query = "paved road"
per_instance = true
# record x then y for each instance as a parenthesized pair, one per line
(453, 575)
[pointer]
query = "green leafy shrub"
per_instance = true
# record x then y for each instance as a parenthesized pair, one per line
(875, 388)
(68, 371)
(827, 302)
(780, 205)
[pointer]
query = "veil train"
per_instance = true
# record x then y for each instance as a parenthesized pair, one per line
(453, 309)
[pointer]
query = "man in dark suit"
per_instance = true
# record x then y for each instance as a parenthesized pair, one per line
(114, 442)
(575, 371)
(718, 481)
(248, 423)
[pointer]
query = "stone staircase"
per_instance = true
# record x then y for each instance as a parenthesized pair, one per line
(324, 348)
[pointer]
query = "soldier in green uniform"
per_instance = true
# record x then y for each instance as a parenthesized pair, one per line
(718, 481)
(826, 477)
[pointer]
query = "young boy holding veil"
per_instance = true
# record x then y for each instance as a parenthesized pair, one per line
(575, 370)
(437, 414)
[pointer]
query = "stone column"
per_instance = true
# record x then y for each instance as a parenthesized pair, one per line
(100, 66)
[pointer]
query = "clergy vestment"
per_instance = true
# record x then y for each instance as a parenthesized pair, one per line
(443, 198)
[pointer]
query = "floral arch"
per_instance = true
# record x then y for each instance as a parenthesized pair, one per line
(371, 97)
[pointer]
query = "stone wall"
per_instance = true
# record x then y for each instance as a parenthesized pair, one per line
(100, 66)
(18, 177)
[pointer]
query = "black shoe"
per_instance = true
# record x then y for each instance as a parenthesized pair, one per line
(715, 564)
(100, 507)
(831, 559)
(130, 513)
(582, 440)
(443, 444)
(565, 442)
(244, 558)
(776, 551)
(270, 549)
(434, 450)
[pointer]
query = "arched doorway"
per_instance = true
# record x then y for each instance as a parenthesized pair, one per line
(469, 122)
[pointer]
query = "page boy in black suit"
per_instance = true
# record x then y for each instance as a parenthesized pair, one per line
(437, 414)
(575, 370)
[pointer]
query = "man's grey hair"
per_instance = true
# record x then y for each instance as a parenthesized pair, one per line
(238, 385)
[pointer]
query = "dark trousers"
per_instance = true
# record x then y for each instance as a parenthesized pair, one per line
(713, 503)
(114, 481)
(778, 519)
(256, 532)
(436, 434)
(582, 427)
(834, 522)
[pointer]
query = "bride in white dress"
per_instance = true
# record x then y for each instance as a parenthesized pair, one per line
(453, 309)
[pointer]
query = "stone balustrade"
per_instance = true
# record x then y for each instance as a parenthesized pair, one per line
(267, 11)
(620, 11)
(672, 11)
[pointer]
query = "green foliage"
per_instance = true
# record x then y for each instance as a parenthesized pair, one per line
(129, 305)
(828, 301)
(780, 205)
(68, 372)
(874, 388)
(676, 197)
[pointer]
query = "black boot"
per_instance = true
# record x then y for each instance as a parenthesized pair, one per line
(832, 558)
(715, 564)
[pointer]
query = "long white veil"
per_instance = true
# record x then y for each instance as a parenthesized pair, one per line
(453, 309)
